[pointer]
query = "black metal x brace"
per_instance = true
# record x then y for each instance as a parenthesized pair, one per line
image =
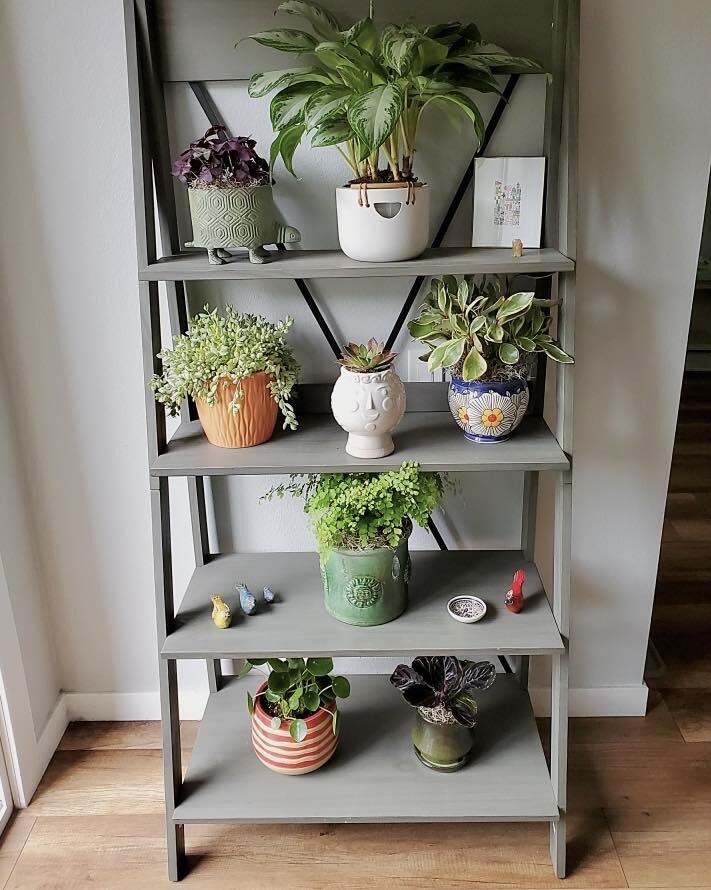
(216, 120)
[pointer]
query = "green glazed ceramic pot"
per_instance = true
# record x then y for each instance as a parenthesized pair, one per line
(243, 216)
(367, 587)
(442, 746)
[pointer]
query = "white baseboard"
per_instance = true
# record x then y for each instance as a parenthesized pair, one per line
(604, 701)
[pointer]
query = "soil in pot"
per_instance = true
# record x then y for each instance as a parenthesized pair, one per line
(254, 422)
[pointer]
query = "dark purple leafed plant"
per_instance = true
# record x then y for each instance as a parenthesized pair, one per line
(442, 681)
(221, 160)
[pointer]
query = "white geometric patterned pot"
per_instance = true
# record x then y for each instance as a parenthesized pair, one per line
(488, 412)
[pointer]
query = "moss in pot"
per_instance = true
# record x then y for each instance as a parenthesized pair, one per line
(364, 89)
(487, 339)
(362, 523)
(441, 689)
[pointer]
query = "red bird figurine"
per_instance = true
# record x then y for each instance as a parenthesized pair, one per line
(514, 597)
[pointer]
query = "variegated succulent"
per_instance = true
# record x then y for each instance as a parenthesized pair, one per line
(477, 331)
(366, 358)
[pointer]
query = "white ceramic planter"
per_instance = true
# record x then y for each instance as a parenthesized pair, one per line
(383, 225)
(368, 407)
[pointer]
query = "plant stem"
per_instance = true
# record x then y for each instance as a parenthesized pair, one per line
(347, 159)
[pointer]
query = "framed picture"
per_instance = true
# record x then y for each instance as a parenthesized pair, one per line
(508, 201)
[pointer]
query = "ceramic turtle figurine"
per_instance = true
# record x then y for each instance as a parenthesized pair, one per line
(243, 216)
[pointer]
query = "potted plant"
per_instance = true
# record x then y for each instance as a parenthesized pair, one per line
(365, 89)
(486, 340)
(230, 195)
(368, 400)
(442, 688)
(295, 720)
(239, 370)
(362, 522)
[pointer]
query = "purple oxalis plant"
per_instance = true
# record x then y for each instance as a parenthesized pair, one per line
(221, 160)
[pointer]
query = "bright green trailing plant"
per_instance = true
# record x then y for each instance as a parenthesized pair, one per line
(478, 332)
(358, 511)
(364, 89)
(228, 347)
(297, 688)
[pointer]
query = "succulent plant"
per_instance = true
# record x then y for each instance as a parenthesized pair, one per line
(444, 682)
(366, 358)
(217, 159)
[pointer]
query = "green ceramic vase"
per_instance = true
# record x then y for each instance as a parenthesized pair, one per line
(366, 587)
(445, 747)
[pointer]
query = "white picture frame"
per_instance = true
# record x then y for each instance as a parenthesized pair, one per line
(508, 201)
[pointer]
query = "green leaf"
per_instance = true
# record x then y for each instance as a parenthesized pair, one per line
(287, 40)
(477, 324)
(257, 662)
(497, 59)
(321, 20)
(287, 107)
(276, 664)
(526, 344)
(312, 700)
(437, 356)
(508, 353)
(341, 687)
(272, 697)
(419, 330)
(514, 305)
(474, 366)
(285, 144)
(337, 56)
(298, 730)
(278, 683)
(465, 104)
(250, 703)
(275, 723)
(556, 353)
(319, 667)
(374, 115)
(398, 49)
(244, 670)
(295, 700)
(333, 132)
(261, 84)
(324, 104)
(364, 34)
(336, 722)
(494, 333)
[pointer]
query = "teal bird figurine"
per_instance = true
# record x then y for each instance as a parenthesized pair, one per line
(268, 595)
(246, 599)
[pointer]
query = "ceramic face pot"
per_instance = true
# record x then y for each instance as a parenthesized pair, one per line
(488, 412)
(237, 216)
(368, 407)
(254, 422)
(440, 742)
(367, 587)
(383, 223)
(280, 753)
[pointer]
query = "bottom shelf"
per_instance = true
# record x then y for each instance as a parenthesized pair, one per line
(374, 775)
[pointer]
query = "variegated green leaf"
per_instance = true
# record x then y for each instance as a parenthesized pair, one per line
(321, 20)
(364, 34)
(288, 40)
(465, 104)
(497, 59)
(287, 107)
(333, 132)
(513, 306)
(261, 84)
(474, 365)
(526, 344)
(374, 115)
(324, 104)
(556, 353)
(447, 354)
(508, 353)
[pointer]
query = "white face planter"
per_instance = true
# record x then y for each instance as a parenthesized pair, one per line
(368, 407)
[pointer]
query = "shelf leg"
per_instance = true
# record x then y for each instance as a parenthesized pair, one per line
(558, 846)
(214, 674)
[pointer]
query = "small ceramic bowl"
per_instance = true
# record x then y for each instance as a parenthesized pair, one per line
(466, 609)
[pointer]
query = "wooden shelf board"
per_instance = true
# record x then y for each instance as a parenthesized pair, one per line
(374, 775)
(298, 623)
(430, 438)
(193, 265)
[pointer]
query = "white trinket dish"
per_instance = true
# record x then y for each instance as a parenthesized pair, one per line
(467, 609)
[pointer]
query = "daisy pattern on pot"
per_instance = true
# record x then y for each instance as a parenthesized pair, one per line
(458, 404)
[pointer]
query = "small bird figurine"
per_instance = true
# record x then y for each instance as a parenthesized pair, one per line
(221, 614)
(514, 596)
(246, 599)
(268, 595)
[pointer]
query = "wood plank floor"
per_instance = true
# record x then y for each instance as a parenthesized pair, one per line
(640, 788)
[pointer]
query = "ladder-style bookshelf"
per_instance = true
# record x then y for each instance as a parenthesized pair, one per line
(375, 776)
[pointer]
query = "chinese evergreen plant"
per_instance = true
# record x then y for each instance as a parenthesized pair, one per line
(476, 331)
(366, 358)
(364, 89)
(221, 160)
(228, 347)
(444, 685)
(358, 511)
(296, 689)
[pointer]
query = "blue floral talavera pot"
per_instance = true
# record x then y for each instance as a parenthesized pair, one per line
(488, 411)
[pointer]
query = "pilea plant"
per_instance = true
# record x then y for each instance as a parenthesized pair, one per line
(443, 685)
(228, 347)
(217, 159)
(478, 332)
(366, 358)
(359, 511)
(297, 688)
(364, 89)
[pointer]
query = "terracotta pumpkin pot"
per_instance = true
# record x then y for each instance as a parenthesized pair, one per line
(279, 752)
(254, 422)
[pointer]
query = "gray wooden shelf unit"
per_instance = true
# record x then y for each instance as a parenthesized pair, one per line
(374, 775)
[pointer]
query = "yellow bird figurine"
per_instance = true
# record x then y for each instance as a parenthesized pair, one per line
(221, 614)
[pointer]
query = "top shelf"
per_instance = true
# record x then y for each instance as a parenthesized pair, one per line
(193, 265)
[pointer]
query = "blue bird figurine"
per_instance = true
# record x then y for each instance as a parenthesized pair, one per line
(268, 595)
(246, 599)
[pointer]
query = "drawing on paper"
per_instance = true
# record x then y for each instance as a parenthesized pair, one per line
(507, 204)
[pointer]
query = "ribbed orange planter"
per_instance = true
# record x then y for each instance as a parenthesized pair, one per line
(254, 422)
(280, 753)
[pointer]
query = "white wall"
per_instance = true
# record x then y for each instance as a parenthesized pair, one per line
(71, 332)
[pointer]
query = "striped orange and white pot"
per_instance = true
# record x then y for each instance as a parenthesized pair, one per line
(280, 753)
